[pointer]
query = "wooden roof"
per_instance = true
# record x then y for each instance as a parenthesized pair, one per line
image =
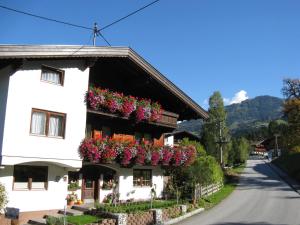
(11, 53)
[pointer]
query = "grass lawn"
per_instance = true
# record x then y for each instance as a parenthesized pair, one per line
(82, 220)
(216, 198)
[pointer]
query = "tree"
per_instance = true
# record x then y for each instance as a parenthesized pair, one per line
(291, 92)
(215, 127)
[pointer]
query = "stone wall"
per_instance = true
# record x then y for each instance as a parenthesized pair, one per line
(105, 222)
(170, 213)
(145, 218)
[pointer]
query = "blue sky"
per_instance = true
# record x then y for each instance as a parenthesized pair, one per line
(200, 45)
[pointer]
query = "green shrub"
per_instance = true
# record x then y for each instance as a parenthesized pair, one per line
(134, 207)
(51, 220)
(295, 149)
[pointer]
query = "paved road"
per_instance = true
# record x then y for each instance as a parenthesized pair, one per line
(260, 198)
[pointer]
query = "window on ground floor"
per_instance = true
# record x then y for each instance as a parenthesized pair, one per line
(142, 177)
(30, 177)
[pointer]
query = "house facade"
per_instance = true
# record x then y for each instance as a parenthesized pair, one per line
(48, 122)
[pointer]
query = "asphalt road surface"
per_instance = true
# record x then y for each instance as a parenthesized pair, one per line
(260, 198)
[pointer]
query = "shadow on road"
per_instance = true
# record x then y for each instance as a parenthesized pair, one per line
(242, 223)
(262, 177)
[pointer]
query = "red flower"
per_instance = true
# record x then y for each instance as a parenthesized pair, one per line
(128, 106)
(167, 155)
(177, 157)
(156, 111)
(89, 150)
(155, 157)
(127, 155)
(109, 154)
(141, 155)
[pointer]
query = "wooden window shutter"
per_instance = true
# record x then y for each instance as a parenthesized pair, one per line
(97, 134)
(160, 141)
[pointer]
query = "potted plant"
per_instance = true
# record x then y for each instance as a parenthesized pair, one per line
(71, 198)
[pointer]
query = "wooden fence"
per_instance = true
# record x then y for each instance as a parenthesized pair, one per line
(204, 191)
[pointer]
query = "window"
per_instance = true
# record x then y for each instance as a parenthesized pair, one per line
(142, 177)
(47, 123)
(52, 75)
(30, 177)
(143, 137)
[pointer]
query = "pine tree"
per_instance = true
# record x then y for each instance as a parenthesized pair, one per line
(214, 126)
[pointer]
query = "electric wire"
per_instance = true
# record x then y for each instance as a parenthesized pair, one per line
(80, 26)
(130, 14)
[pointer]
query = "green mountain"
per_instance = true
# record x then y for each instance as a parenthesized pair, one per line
(250, 114)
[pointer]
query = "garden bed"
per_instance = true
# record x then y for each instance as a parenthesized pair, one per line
(89, 220)
(134, 207)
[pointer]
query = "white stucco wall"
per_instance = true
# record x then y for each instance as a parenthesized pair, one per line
(27, 91)
(169, 141)
(128, 191)
(35, 200)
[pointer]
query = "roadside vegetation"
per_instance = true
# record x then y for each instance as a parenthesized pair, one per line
(290, 136)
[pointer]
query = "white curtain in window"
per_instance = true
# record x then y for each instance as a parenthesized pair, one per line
(38, 123)
(55, 126)
(51, 76)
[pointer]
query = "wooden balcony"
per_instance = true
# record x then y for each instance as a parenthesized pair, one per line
(168, 119)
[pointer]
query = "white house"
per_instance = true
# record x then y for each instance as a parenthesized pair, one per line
(44, 118)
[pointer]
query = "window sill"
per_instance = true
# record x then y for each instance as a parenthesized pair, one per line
(40, 135)
(33, 189)
(139, 186)
(49, 82)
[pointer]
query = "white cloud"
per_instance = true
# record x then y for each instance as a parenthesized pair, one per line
(237, 98)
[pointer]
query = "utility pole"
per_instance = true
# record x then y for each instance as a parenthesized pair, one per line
(276, 144)
(220, 140)
(95, 33)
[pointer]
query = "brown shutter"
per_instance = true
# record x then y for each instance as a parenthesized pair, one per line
(97, 134)
(160, 141)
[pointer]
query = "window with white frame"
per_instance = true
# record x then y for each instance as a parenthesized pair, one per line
(30, 177)
(52, 75)
(46, 123)
(142, 177)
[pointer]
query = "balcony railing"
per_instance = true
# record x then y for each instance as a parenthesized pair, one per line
(167, 119)
(108, 103)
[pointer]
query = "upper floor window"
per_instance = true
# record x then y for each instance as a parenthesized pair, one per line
(52, 75)
(47, 123)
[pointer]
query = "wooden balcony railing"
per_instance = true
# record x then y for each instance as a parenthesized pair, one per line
(168, 119)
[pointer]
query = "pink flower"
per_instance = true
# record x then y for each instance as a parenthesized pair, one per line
(155, 157)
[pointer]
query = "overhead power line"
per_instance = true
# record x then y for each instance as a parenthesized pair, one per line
(96, 32)
(45, 18)
(130, 14)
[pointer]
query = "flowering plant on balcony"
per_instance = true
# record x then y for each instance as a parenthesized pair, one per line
(90, 150)
(143, 111)
(104, 150)
(114, 102)
(128, 106)
(156, 111)
(96, 97)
